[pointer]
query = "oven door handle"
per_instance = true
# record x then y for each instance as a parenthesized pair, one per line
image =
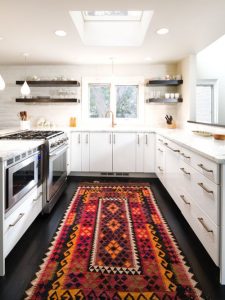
(58, 152)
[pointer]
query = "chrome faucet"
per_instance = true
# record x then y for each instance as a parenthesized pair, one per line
(113, 120)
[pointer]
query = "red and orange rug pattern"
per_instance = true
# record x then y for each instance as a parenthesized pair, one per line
(114, 244)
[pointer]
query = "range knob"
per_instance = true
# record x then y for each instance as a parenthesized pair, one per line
(52, 145)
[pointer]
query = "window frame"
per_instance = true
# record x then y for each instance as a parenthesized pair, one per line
(113, 81)
(212, 83)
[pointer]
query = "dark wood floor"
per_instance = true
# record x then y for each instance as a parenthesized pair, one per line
(25, 258)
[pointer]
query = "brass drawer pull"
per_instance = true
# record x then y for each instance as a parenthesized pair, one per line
(201, 220)
(138, 139)
(36, 199)
(17, 220)
(160, 150)
(185, 156)
(204, 188)
(185, 201)
(160, 169)
(204, 168)
(184, 171)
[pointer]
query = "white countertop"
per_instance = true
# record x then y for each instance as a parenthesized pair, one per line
(205, 146)
(11, 148)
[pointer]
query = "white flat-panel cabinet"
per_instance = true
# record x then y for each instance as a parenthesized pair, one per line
(79, 152)
(124, 149)
(75, 152)
(149, 152)
(101, 152)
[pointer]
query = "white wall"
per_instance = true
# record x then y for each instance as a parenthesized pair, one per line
(211, 65)
(60, 113)
(187, 67)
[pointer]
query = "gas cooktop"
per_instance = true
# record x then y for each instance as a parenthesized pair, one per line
(31, 135)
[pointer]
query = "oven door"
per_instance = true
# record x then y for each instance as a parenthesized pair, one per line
(21, 178)
(57, 171)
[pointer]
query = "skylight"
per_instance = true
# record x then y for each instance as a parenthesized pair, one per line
(112, 15)
(120, 28)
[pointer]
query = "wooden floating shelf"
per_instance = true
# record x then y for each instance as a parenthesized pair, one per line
(48, 100)
(164, 82)
(164, 100)
(49, 83)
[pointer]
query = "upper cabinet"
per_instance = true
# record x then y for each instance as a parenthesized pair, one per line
(169, 94)
(56, 96)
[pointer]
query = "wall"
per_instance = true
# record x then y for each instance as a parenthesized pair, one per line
(211, 65)
(187, 67)
(60, 113)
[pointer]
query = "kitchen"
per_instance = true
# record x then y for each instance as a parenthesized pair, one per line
(79, 128)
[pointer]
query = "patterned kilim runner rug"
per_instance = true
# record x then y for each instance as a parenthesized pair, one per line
(113, 243)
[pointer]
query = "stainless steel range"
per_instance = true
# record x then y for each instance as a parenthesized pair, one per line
(54, 162)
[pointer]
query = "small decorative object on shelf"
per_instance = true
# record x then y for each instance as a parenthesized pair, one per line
(170, 122)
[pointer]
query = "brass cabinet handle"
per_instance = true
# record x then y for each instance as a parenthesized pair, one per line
(17, 220)
(146, 139)
(110, 138)
(160, 150)
(138, 139)
(160, 169)
(79, 138)
(185, 201)
(184, 171)
(185, 156)
(201, 220)
(204, 188)
(204, 168)
(86, 138)
(36, 199)
(160, 140)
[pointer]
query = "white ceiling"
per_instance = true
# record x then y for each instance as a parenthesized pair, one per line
(29, 25)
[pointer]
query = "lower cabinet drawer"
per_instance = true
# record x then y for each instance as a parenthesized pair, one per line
(206, 230)
(18, 222)
(202, 190)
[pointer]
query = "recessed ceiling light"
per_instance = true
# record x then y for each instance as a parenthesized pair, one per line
(1, 38)
(60, 33)
(162, 31)
(148, 58)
